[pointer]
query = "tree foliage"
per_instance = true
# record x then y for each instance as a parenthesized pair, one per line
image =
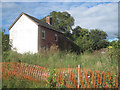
(61, 20)
(98, 37)
(78, 31)
(89, 40)
(5, 41)
(81, 38)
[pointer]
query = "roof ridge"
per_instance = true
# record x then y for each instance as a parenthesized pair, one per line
(38, 22)
(35, 18)
(31, 16)
(42, 23)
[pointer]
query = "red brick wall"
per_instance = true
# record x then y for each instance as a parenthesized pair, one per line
(50, 37)
(63, 43)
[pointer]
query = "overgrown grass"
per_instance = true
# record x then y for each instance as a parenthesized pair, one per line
(59, 59)
(12, 82)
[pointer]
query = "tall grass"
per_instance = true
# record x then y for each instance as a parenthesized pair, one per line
(12, 82)
(54, 58)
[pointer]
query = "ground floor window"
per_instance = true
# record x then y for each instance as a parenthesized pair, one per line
(43, 48)
(56, 37)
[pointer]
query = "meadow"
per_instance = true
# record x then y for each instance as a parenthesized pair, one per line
(100, 60)
(12, 82)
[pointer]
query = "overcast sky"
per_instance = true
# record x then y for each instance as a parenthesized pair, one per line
(90, 15)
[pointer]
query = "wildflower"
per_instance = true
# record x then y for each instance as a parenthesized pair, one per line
(88, 76)
(110, 47)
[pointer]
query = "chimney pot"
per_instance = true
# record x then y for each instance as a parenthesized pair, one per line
(49, 20)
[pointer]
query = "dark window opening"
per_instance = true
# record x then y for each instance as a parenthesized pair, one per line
(43, 48)
(43, 34)
(56, 37)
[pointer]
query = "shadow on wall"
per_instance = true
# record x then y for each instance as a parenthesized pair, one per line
(65, 44)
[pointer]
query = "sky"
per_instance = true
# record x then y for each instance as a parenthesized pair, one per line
(90, 15)
(60, 0)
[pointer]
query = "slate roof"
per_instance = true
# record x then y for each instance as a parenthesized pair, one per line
(39, 22)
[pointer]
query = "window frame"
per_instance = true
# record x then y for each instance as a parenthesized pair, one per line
(43, 31)
(43, 48)
(56, 37)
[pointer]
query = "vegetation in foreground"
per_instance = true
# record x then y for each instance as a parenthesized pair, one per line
(22, 82)
(12, 82)
(102, 60)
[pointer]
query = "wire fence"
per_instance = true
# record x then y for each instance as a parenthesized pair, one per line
(63, 77)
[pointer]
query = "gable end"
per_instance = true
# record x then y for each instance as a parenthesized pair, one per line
(18, 19)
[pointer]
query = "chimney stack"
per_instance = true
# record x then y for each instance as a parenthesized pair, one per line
(49, 20)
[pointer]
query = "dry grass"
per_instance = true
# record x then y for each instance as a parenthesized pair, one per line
(54, 58)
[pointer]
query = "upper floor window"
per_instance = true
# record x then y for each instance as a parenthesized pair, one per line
(56, 37)
(43, 34)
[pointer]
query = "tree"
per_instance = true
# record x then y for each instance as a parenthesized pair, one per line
(78, 31)
(0, 42)
(98, 38)
(5, 41)
(102, 44)
(89, 40)
(61, 20)
(81, 38)
(84, 43)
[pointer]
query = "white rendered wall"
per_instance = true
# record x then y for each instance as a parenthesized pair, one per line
(24, 35)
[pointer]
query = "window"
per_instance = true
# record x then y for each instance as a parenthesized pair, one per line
(56, 37)
(43, 34)
(43, 48)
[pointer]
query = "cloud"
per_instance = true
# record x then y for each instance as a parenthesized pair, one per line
(59, 0)
(115, 39)
(102, 16)
(89, 15)
(39, 10)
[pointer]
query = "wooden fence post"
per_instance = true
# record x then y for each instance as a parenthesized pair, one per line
(78, 75)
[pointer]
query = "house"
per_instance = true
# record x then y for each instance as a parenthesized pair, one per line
(29, 34)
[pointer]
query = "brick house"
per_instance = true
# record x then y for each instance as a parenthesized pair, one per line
(29, 34)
